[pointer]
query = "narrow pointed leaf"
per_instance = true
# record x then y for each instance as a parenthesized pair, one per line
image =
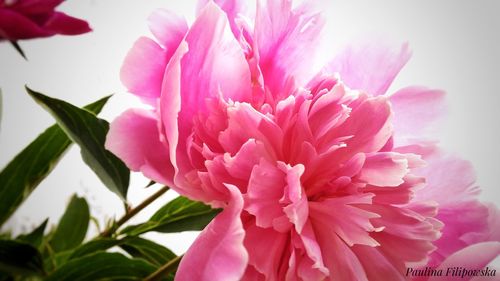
(102, 266)
(180, 214)
(20, 258)
(35, 237)
(23, 174)
(94, 246)
(154, 253)
(89, 132)
(72, 227)
(18, 49)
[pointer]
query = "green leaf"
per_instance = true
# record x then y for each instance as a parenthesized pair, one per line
(18, 49)
(180, 214)
(20, 258)
(89, 132)
(102, 266)
(35, 237)
(154, 253)
(72, 227)
(94, 246)
(23, 174)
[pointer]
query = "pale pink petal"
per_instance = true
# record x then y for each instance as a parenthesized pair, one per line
(234, 9)
(451, 184)
(417, 111)
(370, 67)
(214, 66)
(284, 37)
(134, 137)
(170, 105)
(168, 28)
(218, 252)
(143, 68)
(384, 169)
(476, 256)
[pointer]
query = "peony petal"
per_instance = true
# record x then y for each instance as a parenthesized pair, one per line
(35, 7)
(384, 169)
(245, 122)
(168, 28)
(266, 248)
(134, 137)
(14, 26)
(234, 9)
(369, 67)
(376, 265)
(338, 257)
(454, 194)
(345, 219)
(143, 69)
(367, 129)
(217, 63)
(284, 37)
(61, 23)
(265, 188)
(415, 111)
(218, 252)
(476, 256)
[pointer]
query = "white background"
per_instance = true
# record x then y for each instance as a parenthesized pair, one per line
(456, 47)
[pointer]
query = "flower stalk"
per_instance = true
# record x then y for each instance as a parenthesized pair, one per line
(165, 269)
(131, 212)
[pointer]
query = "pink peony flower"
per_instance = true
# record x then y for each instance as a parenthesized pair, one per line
(322, 176)
(25, 19)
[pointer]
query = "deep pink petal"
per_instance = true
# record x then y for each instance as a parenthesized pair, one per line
(143, 69)
(34, 7)
(417, 111)
(369, 67)
(14, 26)
(61, 23)
(134, 137)
(218, 252)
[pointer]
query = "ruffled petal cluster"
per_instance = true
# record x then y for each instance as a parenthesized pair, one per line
(26, 19)
(321, 175)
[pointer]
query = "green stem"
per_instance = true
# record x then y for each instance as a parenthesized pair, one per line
(133, 211)
(164, 270)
